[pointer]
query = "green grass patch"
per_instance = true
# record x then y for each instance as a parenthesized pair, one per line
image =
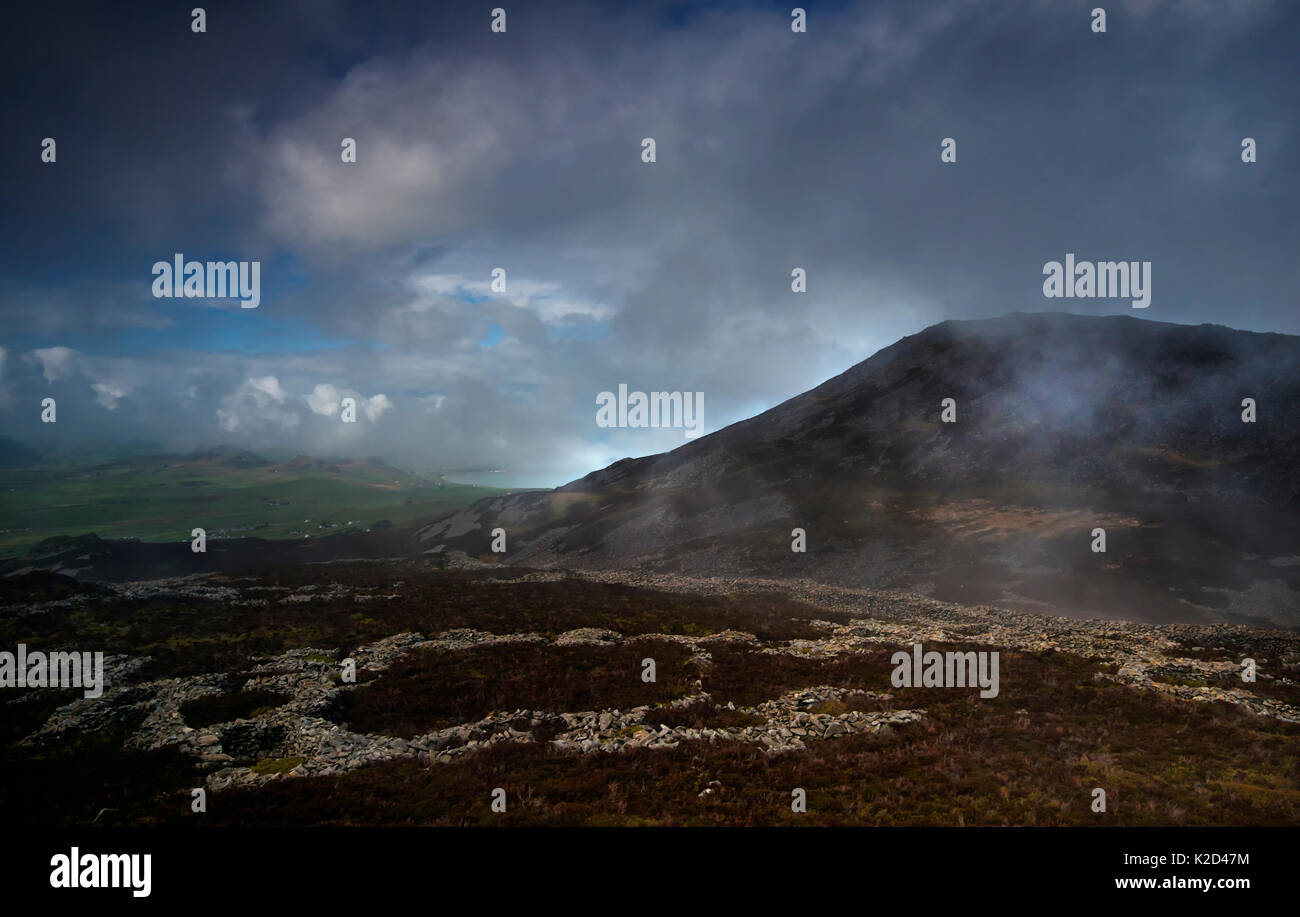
(275, 766)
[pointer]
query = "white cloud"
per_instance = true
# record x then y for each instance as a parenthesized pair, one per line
(109, 394)
(545, 298)
(409, 174)
(56, 362)
(324, 399)
(257, 403)
(375, 406)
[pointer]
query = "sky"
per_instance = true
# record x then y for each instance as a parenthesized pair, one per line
(522, 150)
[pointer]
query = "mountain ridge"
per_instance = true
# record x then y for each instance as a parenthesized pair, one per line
(1062, 420)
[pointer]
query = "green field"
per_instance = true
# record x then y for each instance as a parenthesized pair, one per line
(161, 498)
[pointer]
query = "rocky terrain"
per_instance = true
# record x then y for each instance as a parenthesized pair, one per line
(302, 730)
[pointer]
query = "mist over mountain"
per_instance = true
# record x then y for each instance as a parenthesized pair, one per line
(1063, 423)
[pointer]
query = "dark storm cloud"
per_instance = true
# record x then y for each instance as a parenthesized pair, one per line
(521, 151)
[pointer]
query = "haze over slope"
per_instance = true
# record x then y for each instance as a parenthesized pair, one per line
(1064, 423)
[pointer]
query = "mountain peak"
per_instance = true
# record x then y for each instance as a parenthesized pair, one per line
(972, 460)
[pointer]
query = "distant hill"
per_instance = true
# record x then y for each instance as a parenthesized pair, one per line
(229, 458)
(1064, 423)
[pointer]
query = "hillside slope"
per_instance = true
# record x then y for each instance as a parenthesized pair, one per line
(1064, 423)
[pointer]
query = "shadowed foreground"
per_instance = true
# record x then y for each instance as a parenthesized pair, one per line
(470, 680)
